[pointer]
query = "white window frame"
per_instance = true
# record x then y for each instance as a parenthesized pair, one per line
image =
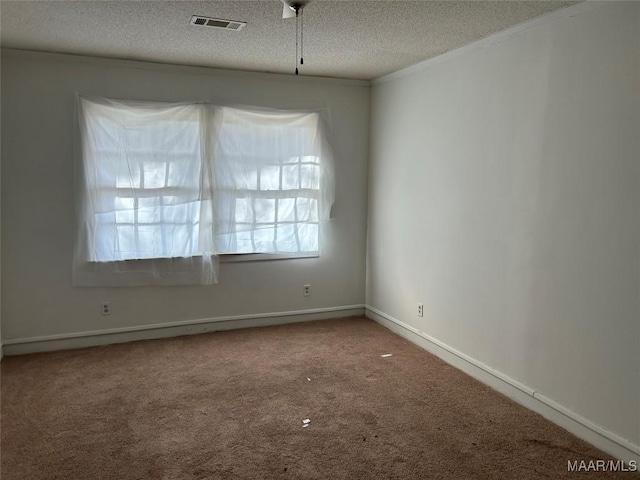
(105, 272)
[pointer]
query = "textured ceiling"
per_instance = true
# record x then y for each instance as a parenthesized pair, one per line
(348, 39)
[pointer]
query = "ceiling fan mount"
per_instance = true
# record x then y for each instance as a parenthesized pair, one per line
(291, 8)
(295, 9)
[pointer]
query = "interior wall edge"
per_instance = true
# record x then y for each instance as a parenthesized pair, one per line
(20, 346)
(581, 427)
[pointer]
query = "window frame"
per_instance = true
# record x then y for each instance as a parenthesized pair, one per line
(112, 270)
(304, 190)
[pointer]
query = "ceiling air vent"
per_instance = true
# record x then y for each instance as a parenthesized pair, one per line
(216, 22)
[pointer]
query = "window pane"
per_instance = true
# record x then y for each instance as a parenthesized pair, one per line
(134, 155)
(309, 176)
(179, 239)
(265, 210)
(308, 234)
(244, 243)
(287, 242)
(243, 210)
(290, 177)
(307, 209)
(147, 212)
(280, 147)
(176, 214)
(125, 216)
(147, 238)
(154, 174)
(270, 178)
(106, 238)
(247, 180)
(180, 173)
(128, 175)
(176, 200)
(124, 203)
(264, 239)
(286, 210)
(126, 241)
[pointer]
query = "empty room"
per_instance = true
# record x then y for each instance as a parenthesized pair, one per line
(365, 239)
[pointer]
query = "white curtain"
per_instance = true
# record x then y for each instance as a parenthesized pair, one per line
(145, 195)
(162, 189)
(273, 181)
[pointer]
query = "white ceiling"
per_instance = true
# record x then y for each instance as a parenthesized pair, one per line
(348, 39)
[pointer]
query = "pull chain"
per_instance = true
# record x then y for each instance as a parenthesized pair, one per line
(296, 41)
(301, 36)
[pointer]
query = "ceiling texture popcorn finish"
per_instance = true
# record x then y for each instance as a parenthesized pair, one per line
(346, 39)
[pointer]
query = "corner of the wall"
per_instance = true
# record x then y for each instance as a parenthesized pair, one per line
(581, 427)
(570, 11)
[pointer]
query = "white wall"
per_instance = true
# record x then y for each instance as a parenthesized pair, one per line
(505, 196)
(38, 299)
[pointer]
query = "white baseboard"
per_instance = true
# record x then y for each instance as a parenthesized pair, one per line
(94, 338)
(581, 427)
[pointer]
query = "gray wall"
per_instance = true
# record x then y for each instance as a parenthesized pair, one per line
(505, 196)
(37, 198)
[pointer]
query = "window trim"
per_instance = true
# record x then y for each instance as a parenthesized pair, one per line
(229, 257)
(198, 267)
(263, 257)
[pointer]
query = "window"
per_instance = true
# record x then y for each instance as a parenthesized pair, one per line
(145, 182)
(269, 189)
(165, 188)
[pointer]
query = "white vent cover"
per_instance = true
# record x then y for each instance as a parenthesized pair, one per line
(199, 21)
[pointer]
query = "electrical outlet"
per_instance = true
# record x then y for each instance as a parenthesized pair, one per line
(420, 310)
(306, 290)
(106, 308)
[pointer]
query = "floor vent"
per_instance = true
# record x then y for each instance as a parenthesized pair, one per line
(199, 21)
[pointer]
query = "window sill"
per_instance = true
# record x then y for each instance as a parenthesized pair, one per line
(224, 258)
(259, 257)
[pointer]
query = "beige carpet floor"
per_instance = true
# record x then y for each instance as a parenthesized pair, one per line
(231, 405)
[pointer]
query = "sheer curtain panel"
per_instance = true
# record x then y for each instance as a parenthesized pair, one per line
(144, 191)
(163, 189)
(274, 180)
